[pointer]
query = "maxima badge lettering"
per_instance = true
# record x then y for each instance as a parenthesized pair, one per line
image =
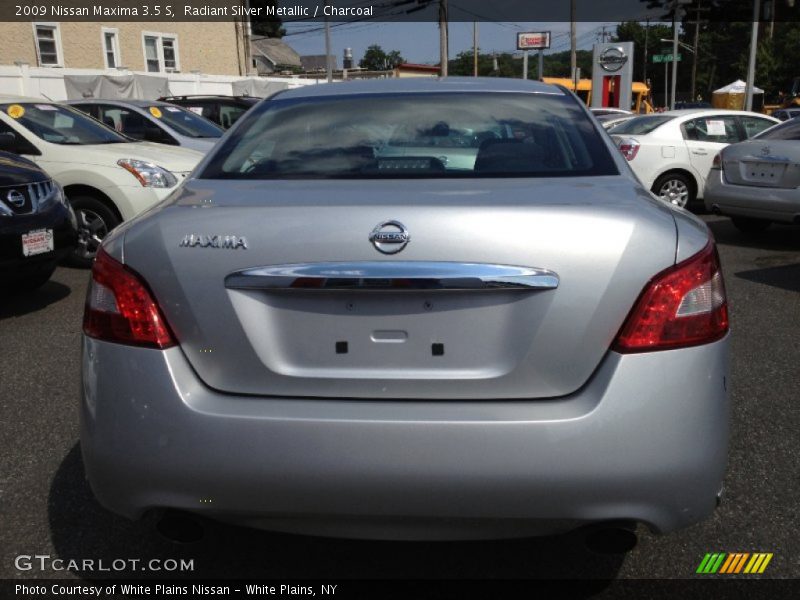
(229, 242)
(389, 237)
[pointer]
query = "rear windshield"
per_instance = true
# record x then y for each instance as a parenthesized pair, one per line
(185, 121)
(640, 125)
(788, 130)
(413, 135)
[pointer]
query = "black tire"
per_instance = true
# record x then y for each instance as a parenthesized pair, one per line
(34, 280)
(750, 225)
(95, 220)
(675, 188)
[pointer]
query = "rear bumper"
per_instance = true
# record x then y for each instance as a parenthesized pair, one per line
(645, 439)
(773, 204)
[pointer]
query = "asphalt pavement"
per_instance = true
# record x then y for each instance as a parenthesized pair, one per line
(46, 507)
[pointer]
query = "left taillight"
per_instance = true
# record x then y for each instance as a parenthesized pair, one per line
(120, 308)
(685, 305)
(629, 148)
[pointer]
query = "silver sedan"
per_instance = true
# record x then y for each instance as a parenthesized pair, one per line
(757, 182)
(410, 309)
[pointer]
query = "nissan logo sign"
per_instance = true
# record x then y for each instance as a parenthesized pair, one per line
(389, 237)
(612, 59)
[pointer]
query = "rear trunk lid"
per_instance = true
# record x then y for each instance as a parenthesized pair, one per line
(353, 322)
(767, 163)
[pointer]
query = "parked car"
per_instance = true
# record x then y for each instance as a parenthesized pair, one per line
(153, 121)
(37, 226)
(671, 152)
(610, 122)
(757, 182)
(223, 110)
(320, 338)
(107, 177)
(784, 114)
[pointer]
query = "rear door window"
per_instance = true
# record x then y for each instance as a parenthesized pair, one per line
(721, 129)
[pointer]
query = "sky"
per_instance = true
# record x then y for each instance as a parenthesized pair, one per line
(419, 42)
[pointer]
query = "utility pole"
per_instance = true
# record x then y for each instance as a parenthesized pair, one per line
(443, 58)
(674, 53)
(700, 9)
(474, 48)
(751, 64)
(646, 36)
(573, 43)
(328, 64)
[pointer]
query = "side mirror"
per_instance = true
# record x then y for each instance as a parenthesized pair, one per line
(8, 142)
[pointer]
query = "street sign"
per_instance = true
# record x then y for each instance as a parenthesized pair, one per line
(533, 41)
(662, 58)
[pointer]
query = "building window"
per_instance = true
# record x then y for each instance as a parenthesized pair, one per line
(161, 52)
(48, 44)
(111, 48)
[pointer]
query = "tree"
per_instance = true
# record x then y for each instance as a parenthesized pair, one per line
(375, 59)
(264, 25)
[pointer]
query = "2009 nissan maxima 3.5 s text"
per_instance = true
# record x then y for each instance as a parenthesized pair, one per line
(409, 309)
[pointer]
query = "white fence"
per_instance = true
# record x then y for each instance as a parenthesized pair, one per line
(48, 82)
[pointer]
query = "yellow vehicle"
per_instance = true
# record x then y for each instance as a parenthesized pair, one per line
(640, 92)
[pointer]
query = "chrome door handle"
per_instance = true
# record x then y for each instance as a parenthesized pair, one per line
(392, 276)
(700, 152)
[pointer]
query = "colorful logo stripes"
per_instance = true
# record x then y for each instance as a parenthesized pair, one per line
(735, 563)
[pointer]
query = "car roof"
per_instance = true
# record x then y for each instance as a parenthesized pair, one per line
(122, 101)
(412, 85)
(689, 112)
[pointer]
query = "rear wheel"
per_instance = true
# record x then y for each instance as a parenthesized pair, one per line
(750, 225)
(675, 188)
(95, 220)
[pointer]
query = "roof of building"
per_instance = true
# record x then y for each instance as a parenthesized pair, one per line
(316, 62)
(276, 52)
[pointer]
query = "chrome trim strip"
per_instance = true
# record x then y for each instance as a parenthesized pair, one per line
(392, 276)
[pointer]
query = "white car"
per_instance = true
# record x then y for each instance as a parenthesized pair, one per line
(672, 152)
(107, 177)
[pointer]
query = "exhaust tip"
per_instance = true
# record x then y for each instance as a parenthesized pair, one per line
(180, 528)
(611, 538)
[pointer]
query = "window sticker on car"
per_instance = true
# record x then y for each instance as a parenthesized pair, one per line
(196, 109)
(46, 107)
(15, 111)
(715, 127)
(155, 111)
(173, 109)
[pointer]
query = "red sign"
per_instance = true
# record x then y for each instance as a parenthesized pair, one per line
(533, 41)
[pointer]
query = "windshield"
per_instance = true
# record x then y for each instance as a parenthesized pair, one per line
(414, 135)
(61, 125)
(185, 121)
(640, 125)
(788, 130)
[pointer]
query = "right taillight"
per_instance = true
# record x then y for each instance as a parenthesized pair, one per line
(120, 308)
(684, 305)
(629, 148)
